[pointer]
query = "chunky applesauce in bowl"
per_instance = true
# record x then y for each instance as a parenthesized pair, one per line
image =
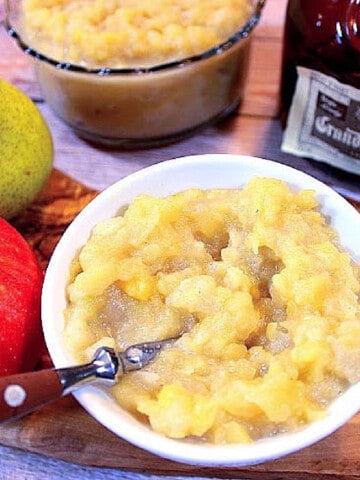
(137, 73)
(256, 266)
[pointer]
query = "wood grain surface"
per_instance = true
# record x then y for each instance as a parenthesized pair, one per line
(65, 431)
(45, 220)
(62, 440)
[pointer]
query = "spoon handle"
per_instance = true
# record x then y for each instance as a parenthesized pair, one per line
(23, 393)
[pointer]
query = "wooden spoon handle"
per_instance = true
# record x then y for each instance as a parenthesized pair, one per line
(23, 393)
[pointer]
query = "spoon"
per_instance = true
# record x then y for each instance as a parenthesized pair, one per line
(23, 393)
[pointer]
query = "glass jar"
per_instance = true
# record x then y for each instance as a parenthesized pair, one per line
(320, 84)
(132, 105)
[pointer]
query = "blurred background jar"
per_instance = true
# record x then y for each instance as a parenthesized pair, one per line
(320, 84)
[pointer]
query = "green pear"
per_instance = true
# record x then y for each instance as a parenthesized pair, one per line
(26, 150)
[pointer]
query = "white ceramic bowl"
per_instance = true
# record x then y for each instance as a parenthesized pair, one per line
(204, 171)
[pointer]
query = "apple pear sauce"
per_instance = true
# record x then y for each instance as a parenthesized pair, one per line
(169, 84)
(266, 300)
(147, 108)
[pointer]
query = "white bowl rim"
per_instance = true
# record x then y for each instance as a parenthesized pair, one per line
(95, 400)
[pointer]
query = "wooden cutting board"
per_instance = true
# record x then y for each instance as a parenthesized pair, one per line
(65, 431)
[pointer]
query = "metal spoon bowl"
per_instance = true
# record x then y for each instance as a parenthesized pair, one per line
(23, 393)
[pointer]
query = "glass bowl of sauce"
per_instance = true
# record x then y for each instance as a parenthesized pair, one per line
(142, 81)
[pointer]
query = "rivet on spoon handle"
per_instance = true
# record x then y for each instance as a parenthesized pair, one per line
(23, 393)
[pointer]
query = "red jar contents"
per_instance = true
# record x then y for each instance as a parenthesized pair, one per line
(320, 87)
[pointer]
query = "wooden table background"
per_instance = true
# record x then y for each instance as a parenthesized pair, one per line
(253, 130)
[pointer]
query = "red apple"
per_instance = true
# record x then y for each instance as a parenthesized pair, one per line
(21, 278)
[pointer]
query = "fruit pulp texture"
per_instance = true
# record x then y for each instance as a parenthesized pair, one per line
(254, 277)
